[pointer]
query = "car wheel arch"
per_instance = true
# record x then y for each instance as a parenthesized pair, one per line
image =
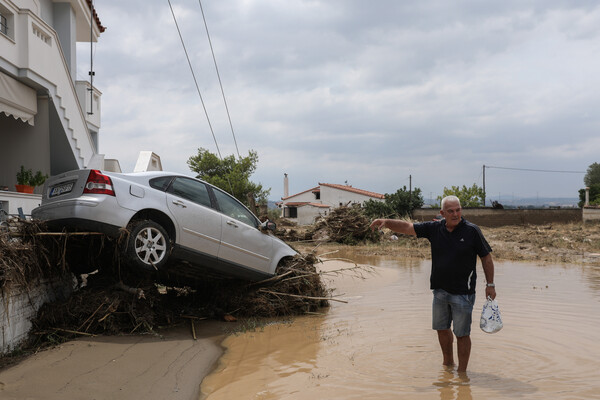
(282, 261)
(160, 218)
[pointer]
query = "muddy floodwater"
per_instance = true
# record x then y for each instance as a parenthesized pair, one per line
(379, 345)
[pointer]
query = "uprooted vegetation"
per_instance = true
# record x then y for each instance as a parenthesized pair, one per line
(344, 225)
(116, 300)
(23, 263)
(108, 306)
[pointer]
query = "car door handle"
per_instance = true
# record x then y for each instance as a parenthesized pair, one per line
(179, 203)
(232, 223)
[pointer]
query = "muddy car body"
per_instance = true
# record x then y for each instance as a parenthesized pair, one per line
(172, 219)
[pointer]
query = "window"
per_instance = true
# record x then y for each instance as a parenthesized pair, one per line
(161, 183)
(234, 209)
(318, 195)
(192, 190)
(3, 25)
(7, 21)
(290, 212)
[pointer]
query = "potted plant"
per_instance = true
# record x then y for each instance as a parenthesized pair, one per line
(27, 180)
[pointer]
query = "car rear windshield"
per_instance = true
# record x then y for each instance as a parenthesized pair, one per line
(161, 183)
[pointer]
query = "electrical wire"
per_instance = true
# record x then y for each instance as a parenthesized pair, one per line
(195, 80)
(536, 170)
(219, 76)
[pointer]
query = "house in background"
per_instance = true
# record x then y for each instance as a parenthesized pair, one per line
(49, 121)
(305, 206)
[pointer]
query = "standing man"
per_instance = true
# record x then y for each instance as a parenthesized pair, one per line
(455, 245)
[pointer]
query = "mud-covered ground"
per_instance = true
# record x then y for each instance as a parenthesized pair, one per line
(568, 243)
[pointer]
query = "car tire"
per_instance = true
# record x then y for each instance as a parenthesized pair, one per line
(148, 245)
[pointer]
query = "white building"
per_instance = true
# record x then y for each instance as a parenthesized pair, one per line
(305, 206)
(49, 122)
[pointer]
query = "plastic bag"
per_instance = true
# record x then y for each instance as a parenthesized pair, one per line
(490, 322)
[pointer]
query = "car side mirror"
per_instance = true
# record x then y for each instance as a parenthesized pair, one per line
(268, 225)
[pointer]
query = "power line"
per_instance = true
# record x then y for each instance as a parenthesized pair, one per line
(195, 80)
(536, 170)
(219, 76)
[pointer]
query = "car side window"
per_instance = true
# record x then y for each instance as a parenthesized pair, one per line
(161, 183)
(191, 189)
(234, 209)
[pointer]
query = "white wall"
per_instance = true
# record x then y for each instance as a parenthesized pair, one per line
(11, 201)
(333, 197)
(308, 196)
(20, 305)
(591, 214)
(308, 213)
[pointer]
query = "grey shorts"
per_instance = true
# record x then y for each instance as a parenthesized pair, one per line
(455, 309)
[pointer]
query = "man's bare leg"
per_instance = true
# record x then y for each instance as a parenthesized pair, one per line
(463, 345)
(446, 340)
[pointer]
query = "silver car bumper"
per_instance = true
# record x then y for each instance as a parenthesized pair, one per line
(98, 210)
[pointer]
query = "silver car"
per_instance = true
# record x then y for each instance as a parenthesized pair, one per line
(170, 218)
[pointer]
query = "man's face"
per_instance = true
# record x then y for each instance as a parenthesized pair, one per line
(452, 213)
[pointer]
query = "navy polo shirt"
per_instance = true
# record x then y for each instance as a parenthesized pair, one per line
(454, 254)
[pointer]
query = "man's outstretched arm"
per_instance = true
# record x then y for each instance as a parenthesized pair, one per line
(396, 225)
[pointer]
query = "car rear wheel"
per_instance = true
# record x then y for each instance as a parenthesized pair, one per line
(148, 246)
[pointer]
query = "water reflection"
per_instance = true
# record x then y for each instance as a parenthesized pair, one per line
(453, 385)
(380, 345)
(592, 273)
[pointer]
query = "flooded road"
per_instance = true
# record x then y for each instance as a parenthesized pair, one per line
(380, 346)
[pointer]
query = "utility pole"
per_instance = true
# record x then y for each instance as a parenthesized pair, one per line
(484, 185)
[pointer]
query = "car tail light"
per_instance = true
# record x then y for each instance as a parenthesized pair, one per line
(98, 183)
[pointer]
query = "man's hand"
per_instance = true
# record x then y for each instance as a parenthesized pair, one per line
(377, 224)
(395, 225)
(490, 292)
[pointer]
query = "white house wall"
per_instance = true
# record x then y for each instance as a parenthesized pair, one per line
(308, 213)
(335, 197)
(65, 25)
(304, 197)
(42, 55)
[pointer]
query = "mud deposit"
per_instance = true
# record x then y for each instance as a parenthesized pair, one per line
(380, 346)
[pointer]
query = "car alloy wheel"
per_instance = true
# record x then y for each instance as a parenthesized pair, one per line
(149, 245)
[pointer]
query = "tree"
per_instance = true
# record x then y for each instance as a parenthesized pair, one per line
(396, 205)
(468, 196)
(592, 176)
(230, 174)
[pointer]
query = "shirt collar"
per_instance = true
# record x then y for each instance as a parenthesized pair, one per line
(460, 223)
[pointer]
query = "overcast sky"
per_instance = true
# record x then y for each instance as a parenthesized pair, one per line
(363, 92)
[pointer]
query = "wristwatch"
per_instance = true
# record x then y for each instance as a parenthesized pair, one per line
(490, 285)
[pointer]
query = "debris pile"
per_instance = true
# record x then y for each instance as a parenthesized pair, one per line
(26, 257)
(297, 234)
(116, 300)
(296, 288)
(108, 306)
(346, 225)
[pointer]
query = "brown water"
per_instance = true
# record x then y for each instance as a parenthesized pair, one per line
(380, 346)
